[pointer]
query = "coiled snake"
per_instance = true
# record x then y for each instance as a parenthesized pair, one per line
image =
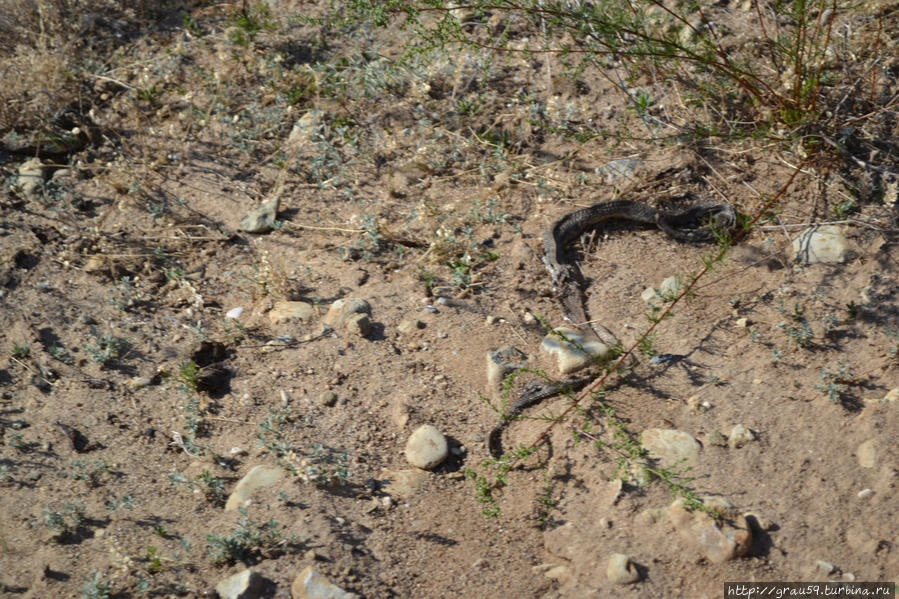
(700, 222)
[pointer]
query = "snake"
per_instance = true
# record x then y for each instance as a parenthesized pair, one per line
(697, 222)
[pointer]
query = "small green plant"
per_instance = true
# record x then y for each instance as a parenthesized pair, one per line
(321, 466)
(834, 384)
(21, 351)
(546, 501)
(193, 421)
(127, 295)
(91, 472)
(60, 353)
(646, 345)
(655, 314)
(174, 273)
(486, 489)
(154, 563)
(249, 22)
(830, 322)
(488, 213)
(188, 374)
(16, 440)
(150, 95)
(325, 466)
(95, 588)
(843, 208)
(798, 330)
(893, 350)
(213, 487)
(66, 521)
(126, 502)
(249, 540)
(105, 349)
(191, 25)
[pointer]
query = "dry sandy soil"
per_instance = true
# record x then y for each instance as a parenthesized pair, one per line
(131, 405)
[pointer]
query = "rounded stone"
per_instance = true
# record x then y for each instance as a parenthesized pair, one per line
(287, 311)
(740, 435)
(671, 447)
(867, 454)
(426, 447)
(620, 569)
(825, 243)
(327, 398)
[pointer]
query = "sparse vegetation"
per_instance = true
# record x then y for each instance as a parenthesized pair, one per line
(21, 351)
(319, 465)
(834, 383)
(64, 522)
(248, 541)
(92, 472)
(95, 587)
(104, 349)
(798, 329)
(212, 488)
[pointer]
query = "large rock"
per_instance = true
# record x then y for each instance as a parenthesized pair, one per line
(672, 448)
(286, 311)
(257, 478)
(312, 585)
(825, 243)
(620, 569)
(426, 447)
(717, 542)
(302, 132)
(246, 584)
(262, 218)
(575, 351)
(351, 314)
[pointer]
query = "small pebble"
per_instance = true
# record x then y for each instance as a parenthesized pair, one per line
(327, 398)
(557, 572)
(410, 325)
(825, 567)
(739, 436)
(865, 493)
(234, 313)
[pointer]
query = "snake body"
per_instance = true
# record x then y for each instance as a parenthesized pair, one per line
(696, 222)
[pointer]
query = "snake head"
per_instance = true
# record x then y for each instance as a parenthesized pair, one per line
(699, 222)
